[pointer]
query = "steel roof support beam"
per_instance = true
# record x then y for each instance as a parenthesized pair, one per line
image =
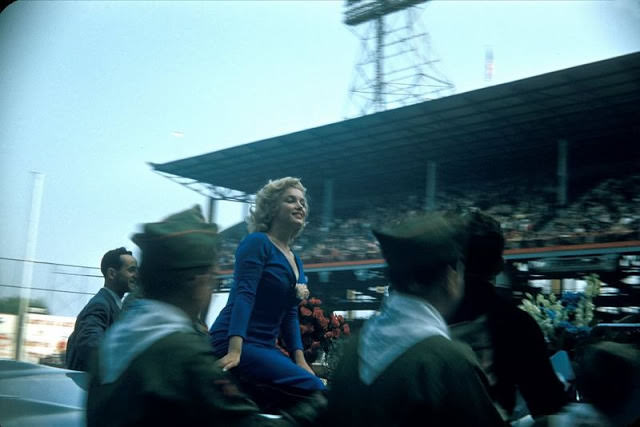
(327, 204)
(430, 196)
(563, 172)
(210, 191)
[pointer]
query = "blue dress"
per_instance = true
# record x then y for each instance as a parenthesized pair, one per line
(262, 305)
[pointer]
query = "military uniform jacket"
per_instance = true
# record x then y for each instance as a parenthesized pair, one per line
(175, 382)
(437, 382)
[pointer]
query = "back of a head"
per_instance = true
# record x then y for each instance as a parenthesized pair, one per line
(485, 245)
(180, 246)
(419, 250)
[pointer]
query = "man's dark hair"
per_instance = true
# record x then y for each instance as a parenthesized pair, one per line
(112, 259)
(485, 245)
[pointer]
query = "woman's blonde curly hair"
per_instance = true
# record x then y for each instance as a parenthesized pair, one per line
(262, 213)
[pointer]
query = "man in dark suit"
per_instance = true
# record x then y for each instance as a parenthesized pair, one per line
(507, 341)
(120, 271)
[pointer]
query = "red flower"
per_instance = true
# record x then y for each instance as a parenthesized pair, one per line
(306, 329)
(335, 322)
(317, 330)
(324, 322)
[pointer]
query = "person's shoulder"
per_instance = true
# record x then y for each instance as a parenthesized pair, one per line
(182, 339)
(255, 238)
(438, 362)
(256, 241)
(182, 346)
(99, 301)
(439, 343)
(98, 296)
(184, 354)
(439, 348)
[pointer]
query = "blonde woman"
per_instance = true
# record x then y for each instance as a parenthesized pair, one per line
(263, 303)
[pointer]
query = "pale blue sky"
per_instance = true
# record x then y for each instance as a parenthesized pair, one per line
(91, 91)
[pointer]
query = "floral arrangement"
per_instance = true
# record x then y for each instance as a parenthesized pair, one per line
(572, 314)
(318, 331)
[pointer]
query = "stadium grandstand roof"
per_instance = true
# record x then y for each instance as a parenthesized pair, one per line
(490, 133)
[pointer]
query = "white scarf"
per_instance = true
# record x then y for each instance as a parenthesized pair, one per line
(145, 323)
(403, 321)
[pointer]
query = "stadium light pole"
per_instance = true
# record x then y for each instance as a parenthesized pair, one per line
(403, 64)
(27, 267)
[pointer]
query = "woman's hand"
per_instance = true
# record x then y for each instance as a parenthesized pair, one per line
(229, 361)
(300, 361)
(232, 358)
(302, 291)
(306, 367)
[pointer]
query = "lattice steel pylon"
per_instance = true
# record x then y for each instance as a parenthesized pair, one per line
(397, 63)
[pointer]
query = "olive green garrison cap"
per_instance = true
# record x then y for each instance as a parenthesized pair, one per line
(180, 241)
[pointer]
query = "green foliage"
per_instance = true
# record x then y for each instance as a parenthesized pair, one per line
(11, 305)
(333, 357)
(547, 312)
(572, 314)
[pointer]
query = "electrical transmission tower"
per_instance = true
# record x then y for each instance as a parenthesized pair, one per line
(397, 64)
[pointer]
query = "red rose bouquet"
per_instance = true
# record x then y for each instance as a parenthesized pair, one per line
(318, 331)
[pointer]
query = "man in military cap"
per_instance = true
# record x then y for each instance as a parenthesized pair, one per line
(120, 270)
(404, 360)
(154, 367)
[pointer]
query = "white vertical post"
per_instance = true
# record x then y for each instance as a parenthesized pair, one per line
(379, 91)
(27, 268)
(212, 210)
(245, 210)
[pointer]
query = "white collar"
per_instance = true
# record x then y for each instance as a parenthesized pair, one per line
(115, 297)
(404, 320)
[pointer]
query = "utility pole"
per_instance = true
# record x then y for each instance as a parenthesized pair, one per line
(27, 268)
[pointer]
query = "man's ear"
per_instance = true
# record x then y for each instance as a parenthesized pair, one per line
(454, 283)
(111, 273)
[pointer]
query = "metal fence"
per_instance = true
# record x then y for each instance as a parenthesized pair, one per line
(63, 288)
(57, 293)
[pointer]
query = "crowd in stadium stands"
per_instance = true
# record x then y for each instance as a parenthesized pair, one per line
(609, 211)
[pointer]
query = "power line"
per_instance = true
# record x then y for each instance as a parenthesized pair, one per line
(77, 274)
(48, 289)
(48, 263)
